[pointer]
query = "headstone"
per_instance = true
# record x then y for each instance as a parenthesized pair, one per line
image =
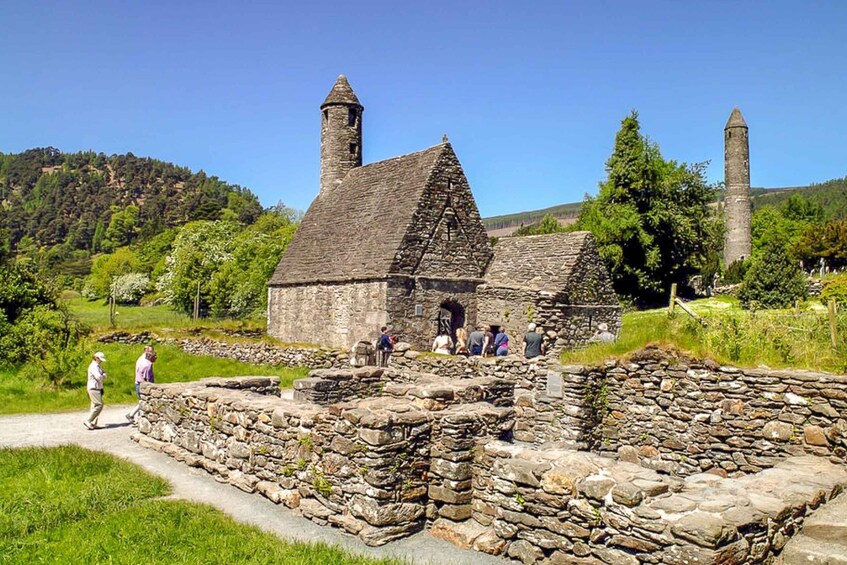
(554, 385)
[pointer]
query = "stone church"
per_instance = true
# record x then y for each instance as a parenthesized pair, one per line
(401, 243)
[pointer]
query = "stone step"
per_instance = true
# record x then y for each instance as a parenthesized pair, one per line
(803, 550)
(823, 539)
(829, 522)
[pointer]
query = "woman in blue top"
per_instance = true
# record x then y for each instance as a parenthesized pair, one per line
(501, 343)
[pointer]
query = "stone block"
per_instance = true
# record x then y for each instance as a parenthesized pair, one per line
(462, 534)
(705, 530)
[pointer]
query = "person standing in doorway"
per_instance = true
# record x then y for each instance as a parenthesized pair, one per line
(488, 348)
(501, 343)
(533, 342)
(96, 376)
(143, 374)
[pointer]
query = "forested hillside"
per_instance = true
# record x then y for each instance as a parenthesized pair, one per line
(93, 202)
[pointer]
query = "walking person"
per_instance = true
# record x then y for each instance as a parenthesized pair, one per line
(461, 342)
(143, 374)
(533, 342)
(96, 376)
(442, 343)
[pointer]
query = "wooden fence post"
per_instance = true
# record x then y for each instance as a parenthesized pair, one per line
(197, 302)
(832, 329)
(673, 299)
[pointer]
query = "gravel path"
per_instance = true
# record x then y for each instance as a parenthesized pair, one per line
(198, 486)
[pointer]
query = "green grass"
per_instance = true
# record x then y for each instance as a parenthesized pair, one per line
(71, 505)
(20, 394)
(135, 318)
(774, 338)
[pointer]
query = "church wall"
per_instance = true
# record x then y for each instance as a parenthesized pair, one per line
(565, 326)
(404, 294)
(333, 314)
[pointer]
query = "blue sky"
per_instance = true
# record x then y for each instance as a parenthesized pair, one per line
(530, 93)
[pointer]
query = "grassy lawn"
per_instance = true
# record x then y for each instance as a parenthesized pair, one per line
(71, 505)
(20, 394)
(154, 318)
(775, 338)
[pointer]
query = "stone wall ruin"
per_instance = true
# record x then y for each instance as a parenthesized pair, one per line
(656, 459)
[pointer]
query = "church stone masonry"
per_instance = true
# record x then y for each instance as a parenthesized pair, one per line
(400, 242)
(737, 180)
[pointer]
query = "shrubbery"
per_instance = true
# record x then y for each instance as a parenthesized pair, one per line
(774, 279)
(34, 329)
(128, 289)
(835, 289)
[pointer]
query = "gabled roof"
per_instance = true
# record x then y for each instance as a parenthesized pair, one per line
(537, 262)
(354, 230)
(736, 120)
(341, 93)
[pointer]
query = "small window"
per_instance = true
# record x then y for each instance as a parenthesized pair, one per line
(326, 115)
(449, 185)
(418, 309)
(351, 117)
(353, 149)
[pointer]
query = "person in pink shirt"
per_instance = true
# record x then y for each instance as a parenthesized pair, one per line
(143, 374)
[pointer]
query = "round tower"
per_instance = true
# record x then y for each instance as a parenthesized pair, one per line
(738, 243)
(341, 133)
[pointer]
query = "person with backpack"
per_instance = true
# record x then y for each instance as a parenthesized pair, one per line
(384, 347)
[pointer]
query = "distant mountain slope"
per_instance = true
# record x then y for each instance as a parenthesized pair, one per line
(83, 199)
(831, 195)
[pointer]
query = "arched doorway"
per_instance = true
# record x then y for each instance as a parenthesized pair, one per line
(451, 316)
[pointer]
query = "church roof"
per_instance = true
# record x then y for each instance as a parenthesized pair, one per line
(341, 93)
(735, 119)
(537, 262)
(354, 230)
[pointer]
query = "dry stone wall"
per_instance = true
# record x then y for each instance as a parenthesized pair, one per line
(566, 326)
(684, 416)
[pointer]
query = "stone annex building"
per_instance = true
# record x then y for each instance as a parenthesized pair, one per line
(400, 243)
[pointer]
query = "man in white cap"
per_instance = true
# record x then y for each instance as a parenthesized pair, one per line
(96, 376)
(603, 334)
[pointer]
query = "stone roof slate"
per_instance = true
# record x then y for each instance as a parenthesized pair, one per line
(735, 119)
(354, 230)
(537, 262)
(341, 93)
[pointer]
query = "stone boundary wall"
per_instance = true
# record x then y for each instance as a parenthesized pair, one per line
(683, 416)
(561, 506)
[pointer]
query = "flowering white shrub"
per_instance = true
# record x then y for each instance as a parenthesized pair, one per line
(130, 288)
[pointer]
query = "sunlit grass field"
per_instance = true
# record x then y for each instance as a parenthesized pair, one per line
(20, 394)
(773, 338)
(161, 317)
(71, 505)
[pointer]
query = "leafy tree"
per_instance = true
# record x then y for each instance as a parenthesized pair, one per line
(651, 218)
(774, 279)
(239, 287)
(198, 251)
(21, 290)
(106, 268)
(827, 241)
(131, 287)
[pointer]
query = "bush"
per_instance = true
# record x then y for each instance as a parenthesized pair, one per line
(41, 334)
(835, 289)
(734, 274)
(130, 288)
(774, 279)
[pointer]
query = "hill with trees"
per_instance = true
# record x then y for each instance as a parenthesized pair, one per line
(96, 203)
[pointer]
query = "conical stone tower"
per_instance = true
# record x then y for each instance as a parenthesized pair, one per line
(738, 243)
(341, 133)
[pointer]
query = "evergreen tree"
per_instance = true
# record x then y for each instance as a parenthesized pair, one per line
(774, 279)
(651, 218)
